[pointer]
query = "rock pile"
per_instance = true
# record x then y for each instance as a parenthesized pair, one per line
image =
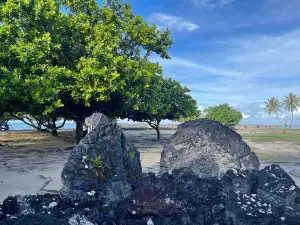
(124, 196)
(266, 197)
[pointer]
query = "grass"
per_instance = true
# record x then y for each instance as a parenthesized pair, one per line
(265, 155)
(273, 157)
(260, 138)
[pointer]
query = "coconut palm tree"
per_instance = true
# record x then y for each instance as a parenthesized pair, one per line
(291, 103)
(273, 106)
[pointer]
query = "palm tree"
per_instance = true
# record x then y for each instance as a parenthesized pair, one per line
(292, 102)
(273, 106)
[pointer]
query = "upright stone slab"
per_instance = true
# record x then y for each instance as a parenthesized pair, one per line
(103, 156)
(208, 148)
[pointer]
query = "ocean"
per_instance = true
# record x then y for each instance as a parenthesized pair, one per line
(15, 125)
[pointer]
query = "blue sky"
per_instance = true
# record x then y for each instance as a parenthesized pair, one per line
(237, 51)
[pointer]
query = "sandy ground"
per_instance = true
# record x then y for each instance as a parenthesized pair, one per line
(33, 165)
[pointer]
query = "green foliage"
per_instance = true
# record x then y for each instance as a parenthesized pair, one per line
(97, 162)
(273, 106)
(291, 103)
(132, 155)
(164, 99)
(72, 64)
(224, 114)
(186, 119)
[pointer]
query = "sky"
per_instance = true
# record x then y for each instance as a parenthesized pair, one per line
(240, 52)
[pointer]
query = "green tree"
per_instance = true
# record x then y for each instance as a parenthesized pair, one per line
(273, 106)
(4, 118)
(224, 114)
(291, 103)
(164, 99)
(75, 61)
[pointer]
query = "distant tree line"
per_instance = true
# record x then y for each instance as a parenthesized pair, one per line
(290, 103)
(58, 65)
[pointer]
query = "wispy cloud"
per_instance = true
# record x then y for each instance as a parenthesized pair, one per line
(185, 63)
(173, 22)
(212, 3)
(275, 56)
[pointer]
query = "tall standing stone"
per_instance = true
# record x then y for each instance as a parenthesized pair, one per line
(103, 156)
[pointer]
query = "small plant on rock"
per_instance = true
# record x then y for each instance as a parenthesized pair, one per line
(97, 162)
(99, 167)
(131, 155)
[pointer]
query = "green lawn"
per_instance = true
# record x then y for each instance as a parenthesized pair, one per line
(273, 157)
(272, 137)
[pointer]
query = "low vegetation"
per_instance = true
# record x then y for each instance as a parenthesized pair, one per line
(266, 137)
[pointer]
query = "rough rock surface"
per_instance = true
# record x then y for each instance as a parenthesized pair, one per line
(208, 148)
(266, 197)
(104, 156)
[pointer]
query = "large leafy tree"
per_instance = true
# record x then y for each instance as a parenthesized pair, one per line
(224, 114)
(273, 106)
(164, 99)
(291, 103)
(76, 60)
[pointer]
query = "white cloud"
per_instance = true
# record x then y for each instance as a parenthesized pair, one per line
(173, 22)
(212, 3)
(245, 116)
(201, 108)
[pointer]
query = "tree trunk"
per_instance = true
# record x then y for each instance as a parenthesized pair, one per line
(157, 129)
(157, 132)
(292, 120)
(54, 131)
(79, 131)
(54, 128)
(155, 126)
(278, 119)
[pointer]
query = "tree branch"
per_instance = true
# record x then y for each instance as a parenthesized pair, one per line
(147, 54)
(153, 125)
(62, 125)
(31, 124)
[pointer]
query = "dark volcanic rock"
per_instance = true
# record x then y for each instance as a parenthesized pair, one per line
(150, 201)
(239, 198)
(208, 148)
(279, 189)
(37, 220)
(275, 183)
(9, 206)
(103, 156)
(243, 181)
